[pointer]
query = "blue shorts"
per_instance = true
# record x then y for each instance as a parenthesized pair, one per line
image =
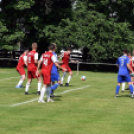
(122, 79)
(55, 77)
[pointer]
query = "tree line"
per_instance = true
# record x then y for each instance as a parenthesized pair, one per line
(102, 28)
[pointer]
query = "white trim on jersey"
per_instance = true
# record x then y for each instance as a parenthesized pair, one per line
(36, 56)
(25, 58)
(53, 58)
(41, 58)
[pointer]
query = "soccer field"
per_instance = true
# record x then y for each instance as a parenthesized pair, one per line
(86, 107)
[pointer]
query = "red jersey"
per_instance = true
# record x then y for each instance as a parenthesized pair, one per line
(131, 62)
(65, 58)
(31, 56)
(47, 62)
(21, 63)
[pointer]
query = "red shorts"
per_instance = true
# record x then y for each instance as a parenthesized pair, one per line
(32, 74)
(21, 71)
(66, 67)
(46, 77)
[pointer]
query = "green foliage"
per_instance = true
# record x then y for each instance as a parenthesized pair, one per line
(7, 47)
(92, 25)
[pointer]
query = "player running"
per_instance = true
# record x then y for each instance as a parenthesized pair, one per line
(20, 68)
(65, 59)
(55, 74)
(123, 63)
(47, 60)
(32, 61)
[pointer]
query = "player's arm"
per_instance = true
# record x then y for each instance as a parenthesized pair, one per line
(61, 55)
(117, 63)
(36, 58)
(56, 63)
(39, 64)
(25, 60)
(129, 67)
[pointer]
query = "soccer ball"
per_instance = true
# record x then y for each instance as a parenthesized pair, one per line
(83, 78)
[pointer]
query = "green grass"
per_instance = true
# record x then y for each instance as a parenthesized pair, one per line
(92, 110)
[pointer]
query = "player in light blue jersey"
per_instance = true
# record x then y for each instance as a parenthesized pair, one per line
(123, 75)
(54, 76)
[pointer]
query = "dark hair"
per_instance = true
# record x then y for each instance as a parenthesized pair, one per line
(126, 51)
(69, 49)
(51, 47)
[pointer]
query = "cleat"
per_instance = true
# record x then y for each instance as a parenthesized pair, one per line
(26, 93)
(50, 100)
(116, 96)
(132, 95)
(21, 86)
(52, 95)
(18, 87)
(61, 85)
(41, 101)
(67, 84)
(127, 89)
(122, 91)
(38, 93)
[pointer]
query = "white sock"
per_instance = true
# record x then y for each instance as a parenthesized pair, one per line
(27, 87)
(20, 82)
(39, 86)
(69, 78)
(42, 93)
(62, 79)
(48, 92)
(123, 86)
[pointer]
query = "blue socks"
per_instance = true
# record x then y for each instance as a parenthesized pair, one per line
(131, 89)
(53, 87)
(117, 89)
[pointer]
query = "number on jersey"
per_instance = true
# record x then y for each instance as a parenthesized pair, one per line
(29, 59)
(46, 62)
(122, 62)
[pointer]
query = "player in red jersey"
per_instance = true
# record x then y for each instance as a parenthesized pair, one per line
(32, 61)
(47, 60)
(65, 59)
(132, 76)
(20, 68)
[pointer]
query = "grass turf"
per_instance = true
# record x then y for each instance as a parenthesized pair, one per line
(92, 110)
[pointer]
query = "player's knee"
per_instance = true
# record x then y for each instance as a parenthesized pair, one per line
(64, 74)
(71, 74)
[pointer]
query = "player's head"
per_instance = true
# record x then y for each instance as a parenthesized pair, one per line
(34, 46)
(69, 50)
(26, 51)
(125, 52)
(55, 47)
(51, 47)
(129, 54)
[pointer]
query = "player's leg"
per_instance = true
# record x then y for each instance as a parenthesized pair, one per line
(28, 85)
(54, 85)
(42, 94)
(48, 93)
(123, 86)
(39, 85)
(69, 77)
(62, 78)
(29, 75)
(19, 85)
(23, 77)
(128, 80)
(120, 80)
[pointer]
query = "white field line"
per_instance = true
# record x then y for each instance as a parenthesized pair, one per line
(8, 78)
(64, 92)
